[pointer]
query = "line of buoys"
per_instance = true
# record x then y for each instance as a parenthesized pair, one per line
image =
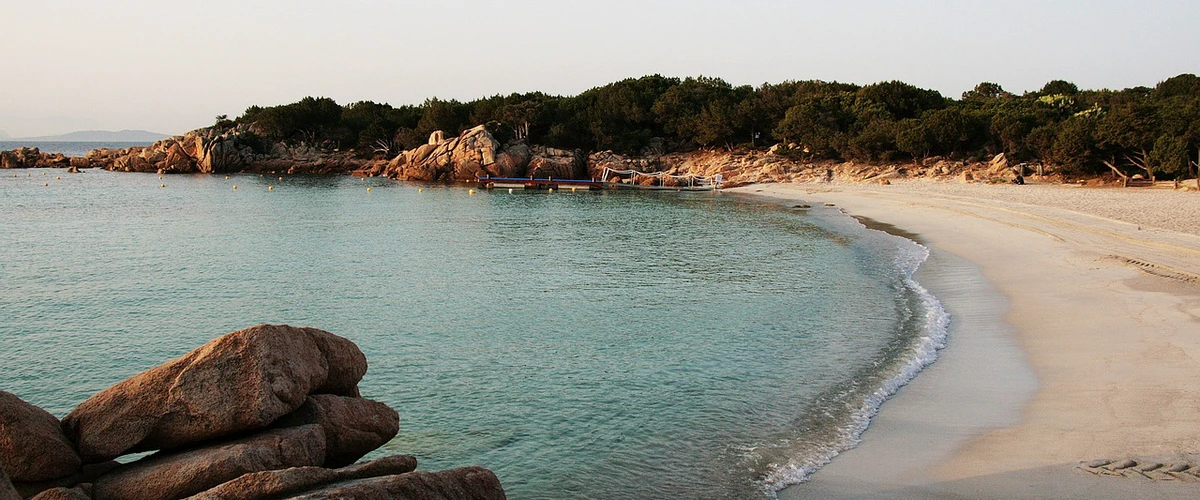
(551, 190)
(47, 184)
(421, 190)
(270, 188)
(160, 177)
(162, 185)
(471, 191)
(58, 177)
(226, 177)
(509, 190)
(368, 190)
(281, 178)
(235, 186)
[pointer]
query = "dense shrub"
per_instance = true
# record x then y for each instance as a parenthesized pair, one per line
(1075, 129)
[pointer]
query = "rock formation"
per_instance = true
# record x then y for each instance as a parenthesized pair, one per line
(271, 411)
(476, 153)
(467, 482)
(33, 158)
(277, 483)
(166, 475)
(214, 151)
(268, 369)
(352, 426)
(32, 445)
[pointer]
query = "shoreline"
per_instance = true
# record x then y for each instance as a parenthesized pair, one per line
(1088, 323)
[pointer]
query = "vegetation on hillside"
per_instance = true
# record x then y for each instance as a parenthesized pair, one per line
(1155, 130)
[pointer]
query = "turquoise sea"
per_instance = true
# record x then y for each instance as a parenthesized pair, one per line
(580, 344)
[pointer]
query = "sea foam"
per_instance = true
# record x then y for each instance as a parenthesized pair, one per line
(921, 352)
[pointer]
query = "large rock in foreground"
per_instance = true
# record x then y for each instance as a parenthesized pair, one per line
(468, 483)
(297, 480)
(32, 444)
(239, 382)
(165, 475)
(353, 426)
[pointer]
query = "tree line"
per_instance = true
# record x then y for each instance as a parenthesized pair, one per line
(1080, 131)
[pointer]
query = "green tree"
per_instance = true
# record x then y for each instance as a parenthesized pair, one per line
(953, 130)
(818, 124)
(913, 138)
(451, 117)
(986, 91)
(902, 100)
(1058, 87)
(704, 111)
(1169, 156)
(875, 142)
(1186, 84)
(1074, 146)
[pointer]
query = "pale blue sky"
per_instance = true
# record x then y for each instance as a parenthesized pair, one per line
(170, 67)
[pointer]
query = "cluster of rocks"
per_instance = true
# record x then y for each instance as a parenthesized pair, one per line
(476, 153)
(207, 150)
(212, 150)
(776, 165)
(1145, 469)
(26, 157)
(271, 411)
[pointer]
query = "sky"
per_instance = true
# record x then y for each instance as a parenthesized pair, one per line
(171, 67)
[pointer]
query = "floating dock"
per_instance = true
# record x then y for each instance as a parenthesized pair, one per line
(694, 183)
(489, 182)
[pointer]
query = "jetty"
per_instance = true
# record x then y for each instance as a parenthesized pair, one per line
(612, 179)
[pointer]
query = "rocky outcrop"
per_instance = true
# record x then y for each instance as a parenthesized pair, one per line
(271, 411)
(268, 370)
(352, 426)
(205, 150)
(468, 483)
(476, 153)
(556, 163)
(32, 444)
(781, 164)
(166, 476)
(296, 480)
(461, 158)
(215, 151)
(26, 157)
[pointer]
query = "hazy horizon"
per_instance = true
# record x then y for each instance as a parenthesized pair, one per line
(169, 69)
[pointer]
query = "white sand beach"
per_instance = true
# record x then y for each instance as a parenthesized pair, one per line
(1075, 337)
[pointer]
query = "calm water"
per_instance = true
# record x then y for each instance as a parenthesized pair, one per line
(69, 148)
(581, 345)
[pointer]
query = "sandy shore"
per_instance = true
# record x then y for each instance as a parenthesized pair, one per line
(1075, 337)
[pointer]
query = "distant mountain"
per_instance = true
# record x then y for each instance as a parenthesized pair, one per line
(98, 136)
(4, 135)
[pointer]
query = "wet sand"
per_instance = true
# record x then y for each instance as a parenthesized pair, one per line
(1074, 337)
